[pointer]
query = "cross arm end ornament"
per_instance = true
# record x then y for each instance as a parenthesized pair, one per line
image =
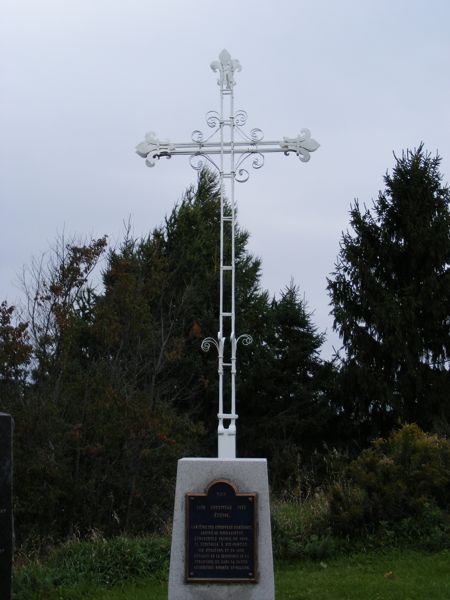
(152, 148)
(302, 145)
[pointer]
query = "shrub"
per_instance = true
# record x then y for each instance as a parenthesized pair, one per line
(300, 529)
(401, 477)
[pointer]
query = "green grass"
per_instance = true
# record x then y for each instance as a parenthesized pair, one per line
(392, 575)
(143, 590)
(75, 570)
(136, 568)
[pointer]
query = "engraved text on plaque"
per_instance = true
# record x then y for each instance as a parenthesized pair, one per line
(221, 535)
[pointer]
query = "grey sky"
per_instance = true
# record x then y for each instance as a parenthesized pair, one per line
(81, 81)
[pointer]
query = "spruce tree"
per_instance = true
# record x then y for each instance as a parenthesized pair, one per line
(390, 295)
(285, 410)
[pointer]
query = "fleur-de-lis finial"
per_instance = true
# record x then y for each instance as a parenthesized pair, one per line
(226, 67)
(302, 145)
(152, 148)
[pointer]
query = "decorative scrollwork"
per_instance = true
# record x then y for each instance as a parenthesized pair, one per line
(212, 119)
(256, 135)
(302, 145)
(242, 159)
(207, 342)
(241, 175)
(240, 118)
(246, 339)
(226, 66)
(197, 136)
(258, 161)
(197, 161)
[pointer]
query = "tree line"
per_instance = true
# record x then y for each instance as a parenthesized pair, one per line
(109, 387)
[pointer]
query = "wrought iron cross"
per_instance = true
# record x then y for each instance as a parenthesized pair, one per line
(227, 154)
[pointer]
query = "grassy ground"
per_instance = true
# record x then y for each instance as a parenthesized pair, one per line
(392, 575)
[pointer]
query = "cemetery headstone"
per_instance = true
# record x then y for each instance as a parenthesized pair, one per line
(6, 515)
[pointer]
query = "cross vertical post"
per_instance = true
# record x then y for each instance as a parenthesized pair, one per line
(227, 313)
(234, 147)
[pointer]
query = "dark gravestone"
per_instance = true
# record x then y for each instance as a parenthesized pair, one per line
(221, 535)
(6, 518)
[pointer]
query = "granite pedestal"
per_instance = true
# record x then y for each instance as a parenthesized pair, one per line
(194, 475)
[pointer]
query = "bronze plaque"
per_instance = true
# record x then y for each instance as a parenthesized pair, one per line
(221, 534)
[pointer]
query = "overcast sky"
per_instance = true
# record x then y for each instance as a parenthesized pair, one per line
(81, 82)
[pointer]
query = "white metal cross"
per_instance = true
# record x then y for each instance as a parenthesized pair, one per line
(227, 154)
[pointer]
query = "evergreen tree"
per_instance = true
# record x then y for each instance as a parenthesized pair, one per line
(390, 295)
(161, 299)
(120, 388)
(285, 409)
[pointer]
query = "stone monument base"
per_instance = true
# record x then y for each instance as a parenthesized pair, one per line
(247, 475)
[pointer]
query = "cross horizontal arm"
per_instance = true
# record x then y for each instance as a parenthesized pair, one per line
(153, 148)
(215, 150)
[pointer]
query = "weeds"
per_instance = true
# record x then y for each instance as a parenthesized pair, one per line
(100, 563)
